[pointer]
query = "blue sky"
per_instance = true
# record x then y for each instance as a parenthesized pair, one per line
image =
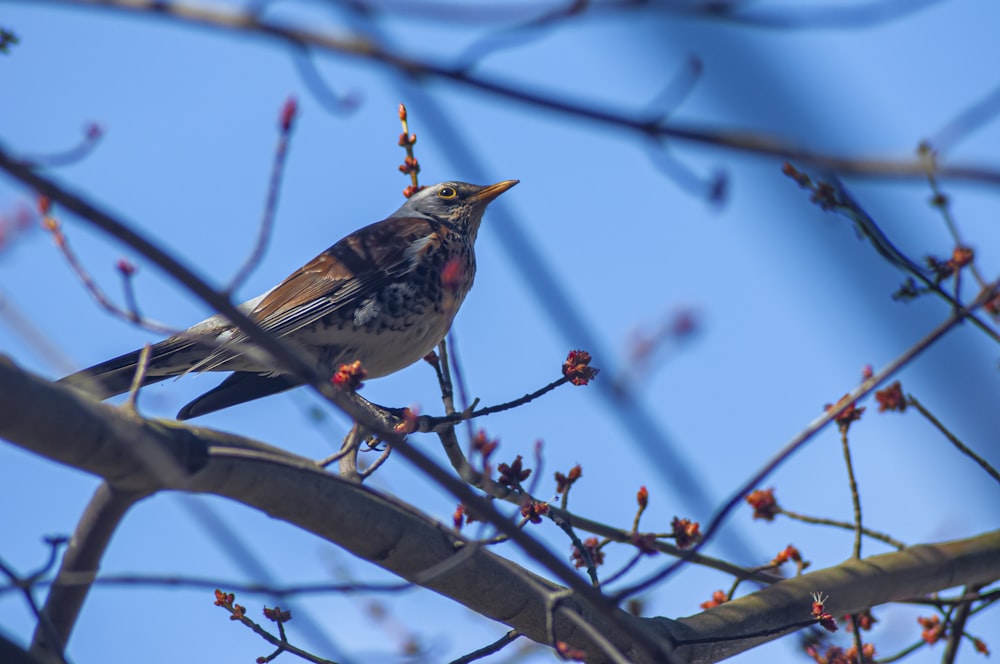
(790, 303)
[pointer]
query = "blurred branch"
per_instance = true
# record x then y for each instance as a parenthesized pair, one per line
(636, 123)
(92, 135)
(738, 12)
(7, 39)
(958, 628)
(33, 337)
(26, 586)
(520, 33)
(796, 15)
(333, 101)
(285, 124)
(967, 122)
(159, 580)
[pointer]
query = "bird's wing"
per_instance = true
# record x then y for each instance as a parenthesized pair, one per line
(341, 276)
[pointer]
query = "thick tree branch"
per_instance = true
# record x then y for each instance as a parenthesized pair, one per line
(853, 586)
(118, 445)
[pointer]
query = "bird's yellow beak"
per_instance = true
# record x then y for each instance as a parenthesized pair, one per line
(490, 192)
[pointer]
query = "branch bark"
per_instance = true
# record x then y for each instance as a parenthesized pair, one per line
(140, 456)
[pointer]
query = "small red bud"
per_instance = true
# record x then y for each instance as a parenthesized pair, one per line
(126, 268)
(93, 131)
(288, 113)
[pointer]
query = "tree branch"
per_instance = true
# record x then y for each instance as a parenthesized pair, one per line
(117, 445)
(635, 123)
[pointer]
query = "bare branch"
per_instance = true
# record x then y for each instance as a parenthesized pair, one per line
(286, 123)
(637, 124)
(811, 430)
(493, 648)
(112, 443)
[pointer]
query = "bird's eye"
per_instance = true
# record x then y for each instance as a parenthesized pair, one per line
(447, 193)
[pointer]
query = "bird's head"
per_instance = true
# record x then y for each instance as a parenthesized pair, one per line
(457, 204)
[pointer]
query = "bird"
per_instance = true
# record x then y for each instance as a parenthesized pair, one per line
(384, 296)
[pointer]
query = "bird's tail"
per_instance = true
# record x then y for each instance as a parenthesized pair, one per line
(115, 376)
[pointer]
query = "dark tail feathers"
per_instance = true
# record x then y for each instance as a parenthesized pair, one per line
(115, 376)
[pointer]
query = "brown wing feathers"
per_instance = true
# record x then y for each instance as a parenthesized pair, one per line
(364, 260)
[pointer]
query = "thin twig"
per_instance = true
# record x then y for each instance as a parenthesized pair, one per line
(239, 20)
(141, 367)
(811, 430)
(26, 585)
(941, 202)
(410, 165)
(130, 315)
(491, 649)
(958, 628)
(443, 368)
(636, 557)
(747, 635)
(834, 196)
(92, 135)
(983, 463)
(859, 645)
(905, 652)
(821, 521)
(566, 526)
(287, 121)
(855, 495)
(281, 643)
(939, 602)
(457, 379)
(429, 423)
(147, 580)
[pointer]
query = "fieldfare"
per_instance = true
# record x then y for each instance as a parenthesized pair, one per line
(384, 295)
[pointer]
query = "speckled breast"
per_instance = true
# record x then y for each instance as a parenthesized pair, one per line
(400, 323)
